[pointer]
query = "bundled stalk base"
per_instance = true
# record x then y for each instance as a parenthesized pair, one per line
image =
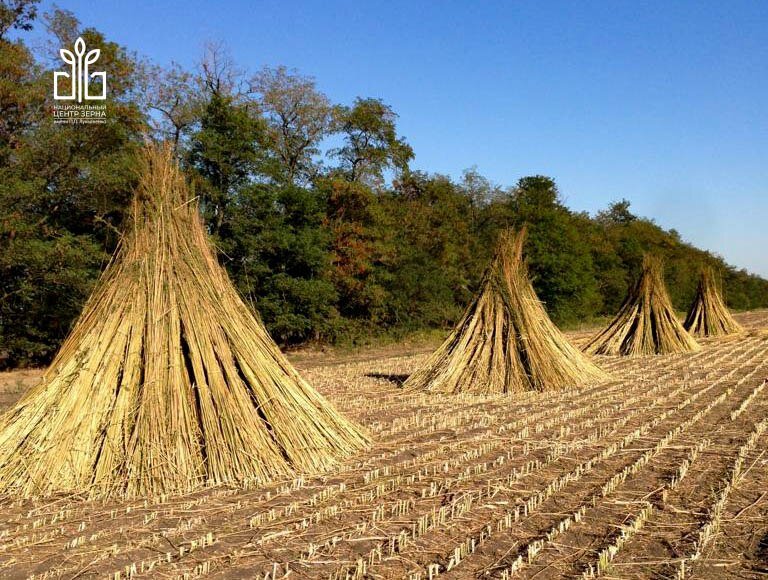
(168, 380)
(708, 315)
(646, 322)
(505, 342)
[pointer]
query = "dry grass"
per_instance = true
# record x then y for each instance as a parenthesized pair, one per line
(168, 380)
(505, 342)
(708, 315)
(646, 322)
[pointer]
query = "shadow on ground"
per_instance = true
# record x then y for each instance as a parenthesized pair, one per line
(397, 379)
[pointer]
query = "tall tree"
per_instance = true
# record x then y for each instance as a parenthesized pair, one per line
(617, 213)
(225, 153)
(353, 220)
(177, 98)
(431, 247)
(558, 253)
(371, 144)
(299, 117)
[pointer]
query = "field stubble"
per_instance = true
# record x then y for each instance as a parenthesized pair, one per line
(661, 472)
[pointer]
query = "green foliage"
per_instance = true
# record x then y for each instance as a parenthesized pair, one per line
(225, 153)
(326, 245)
(371, 144)
(45, 282)
(277, 252)
(353, 222)
(561, 262)
(429, 251)
(63, 194)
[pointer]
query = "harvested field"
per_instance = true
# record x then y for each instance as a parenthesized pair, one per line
(660, 473)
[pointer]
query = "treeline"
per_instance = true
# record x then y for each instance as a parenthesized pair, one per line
(318, 215)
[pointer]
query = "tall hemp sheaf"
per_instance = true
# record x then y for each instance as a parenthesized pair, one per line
(168, 380)
(646, 322)
(505, 342)
(708, 315)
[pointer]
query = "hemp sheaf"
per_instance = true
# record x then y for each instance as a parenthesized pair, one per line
(168, 380)
(505, 342)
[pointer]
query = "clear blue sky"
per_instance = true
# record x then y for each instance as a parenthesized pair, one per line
(663, 103)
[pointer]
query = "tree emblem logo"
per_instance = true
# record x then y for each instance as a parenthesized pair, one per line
(79, 74)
